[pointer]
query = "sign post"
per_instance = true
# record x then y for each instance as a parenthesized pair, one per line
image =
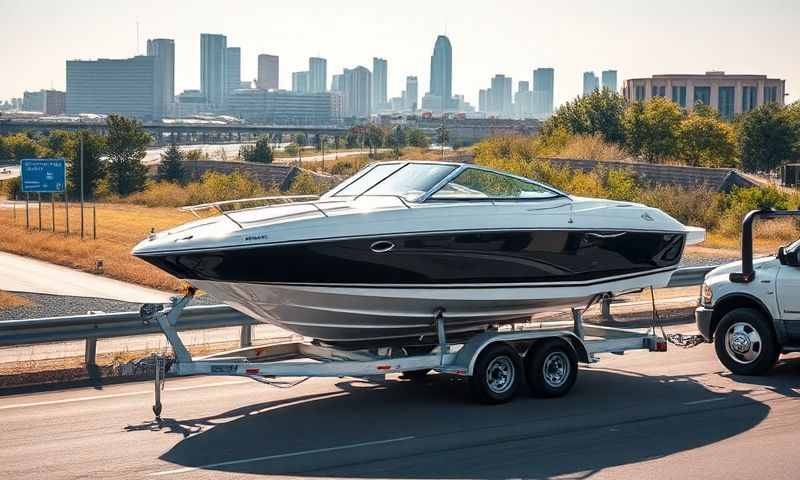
(45, 175)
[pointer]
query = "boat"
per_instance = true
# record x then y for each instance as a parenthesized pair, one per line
(373, 260)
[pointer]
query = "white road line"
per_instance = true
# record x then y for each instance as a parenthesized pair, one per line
(280, 455)
(118, 395)
(707, 400)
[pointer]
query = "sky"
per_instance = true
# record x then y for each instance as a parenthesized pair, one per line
(638, 38)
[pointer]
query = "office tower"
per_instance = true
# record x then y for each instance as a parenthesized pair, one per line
(163, 49)
(412, 93)
(300, 82)
(522, 100)
(543, 92)
(125, 87)
(379, 74)
(212, 67)
(268, 72)
(357, 94)
(337, 83)
(442, 71)
(282, 107)
(317, 75)
(590, 83)
(483, 100)
(499, 96)
(609, 79)
(233, 69)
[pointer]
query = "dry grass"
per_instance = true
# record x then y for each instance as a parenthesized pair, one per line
(591, 147)
(9, 301)
(119, 228)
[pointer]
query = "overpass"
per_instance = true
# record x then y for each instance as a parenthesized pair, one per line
(184, 133)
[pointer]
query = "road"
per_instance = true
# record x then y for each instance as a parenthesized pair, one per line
(673, 415)
(23, 274)
(9, 172)
(230, 152)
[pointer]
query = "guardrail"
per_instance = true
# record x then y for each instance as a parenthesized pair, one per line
(123, 324)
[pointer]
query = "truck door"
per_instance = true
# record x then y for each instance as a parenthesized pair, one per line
(788, 296)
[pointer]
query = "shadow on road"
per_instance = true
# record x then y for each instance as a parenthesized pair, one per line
(610, 419)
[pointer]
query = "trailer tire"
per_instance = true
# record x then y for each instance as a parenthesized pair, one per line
(497, 374)
(551, 368)
(745, 343)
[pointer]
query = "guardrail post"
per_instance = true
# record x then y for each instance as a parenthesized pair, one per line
(90, 357)
(246, 336)
(605, 309)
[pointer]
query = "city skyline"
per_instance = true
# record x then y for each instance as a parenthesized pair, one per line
(513, 50)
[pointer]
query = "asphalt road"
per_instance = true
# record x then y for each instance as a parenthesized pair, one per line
(645, 415)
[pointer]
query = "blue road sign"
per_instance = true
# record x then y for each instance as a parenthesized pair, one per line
(43, 175)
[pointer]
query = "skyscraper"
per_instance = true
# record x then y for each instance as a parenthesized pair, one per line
(543, 92)
(522, 100)
(483, 100)
(300, 83)
(121, 86)
(212, 67)
(442, 70)
(590, 83)
(499, 96)
(233, 69)
(268, 72)
(337, 83)
(317, 75)
(379, 74)
(609, 79)
(163, 49)
(412, 93)
(357, 92)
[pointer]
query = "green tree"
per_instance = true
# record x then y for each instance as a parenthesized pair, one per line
(396, 140)
(704, 140)
(417, 138)
(651, 128)
(57, 142)
(5, 149)
(300, 139)
(442, 136)
(768, 137)
(172, 168)
(127, 141)
(94, 168)
(23, 146)
(598, 113)
(375, 138)
(260, 152)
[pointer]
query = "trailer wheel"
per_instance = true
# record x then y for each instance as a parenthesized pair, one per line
(551, 368)
(497, 374)
(745, 343)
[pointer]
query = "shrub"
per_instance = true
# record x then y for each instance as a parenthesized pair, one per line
(621, 185)
(698, 206)
(161, 194)
(307, 184)
(742, 200)
(215, 187)
(586, 147)
(11, 188)
(343, 167)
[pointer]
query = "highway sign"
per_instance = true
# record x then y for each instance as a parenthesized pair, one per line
(43, 175)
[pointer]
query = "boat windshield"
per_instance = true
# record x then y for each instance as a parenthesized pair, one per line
(478, 184)
(408, 180)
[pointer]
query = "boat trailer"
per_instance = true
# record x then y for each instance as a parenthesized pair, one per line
(494, 361)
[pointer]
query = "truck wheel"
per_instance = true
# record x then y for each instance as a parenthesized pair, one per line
(551, 368)
(745, 342)
(497, 374)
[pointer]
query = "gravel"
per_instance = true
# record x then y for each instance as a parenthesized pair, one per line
(60, 305)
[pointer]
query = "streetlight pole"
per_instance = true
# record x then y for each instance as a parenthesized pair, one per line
(81, 184)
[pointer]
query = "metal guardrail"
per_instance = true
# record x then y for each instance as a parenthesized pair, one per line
(123, 324)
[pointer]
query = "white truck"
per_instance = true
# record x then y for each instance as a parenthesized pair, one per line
(750, 309)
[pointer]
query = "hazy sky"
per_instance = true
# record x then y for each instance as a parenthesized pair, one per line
(636, 37)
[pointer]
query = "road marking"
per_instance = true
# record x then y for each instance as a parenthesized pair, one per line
(707, 400)
(281, 455)
(118, 395)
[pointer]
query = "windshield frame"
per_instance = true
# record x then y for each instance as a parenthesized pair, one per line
(460, 167)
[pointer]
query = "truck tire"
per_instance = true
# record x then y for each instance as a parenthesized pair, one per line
(745, 342)
(551, 368)
(497, 374)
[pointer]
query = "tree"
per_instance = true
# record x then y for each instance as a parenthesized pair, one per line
(94, 168)
(57, 142)
(704, 140)
(417, 138)
(768, 137)
(375, 138)
(260, 152)
(22, 146)
(172, 168)
(442, 136)
(5, 149)
(127, 141)
(651, 128)
(396, 140)
(300, 139)
(598, 113)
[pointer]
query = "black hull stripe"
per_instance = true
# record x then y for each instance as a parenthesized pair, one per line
(434, 286)
(395, 234)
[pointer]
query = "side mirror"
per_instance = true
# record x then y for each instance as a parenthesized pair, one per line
(789, 258)
(782, 255)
